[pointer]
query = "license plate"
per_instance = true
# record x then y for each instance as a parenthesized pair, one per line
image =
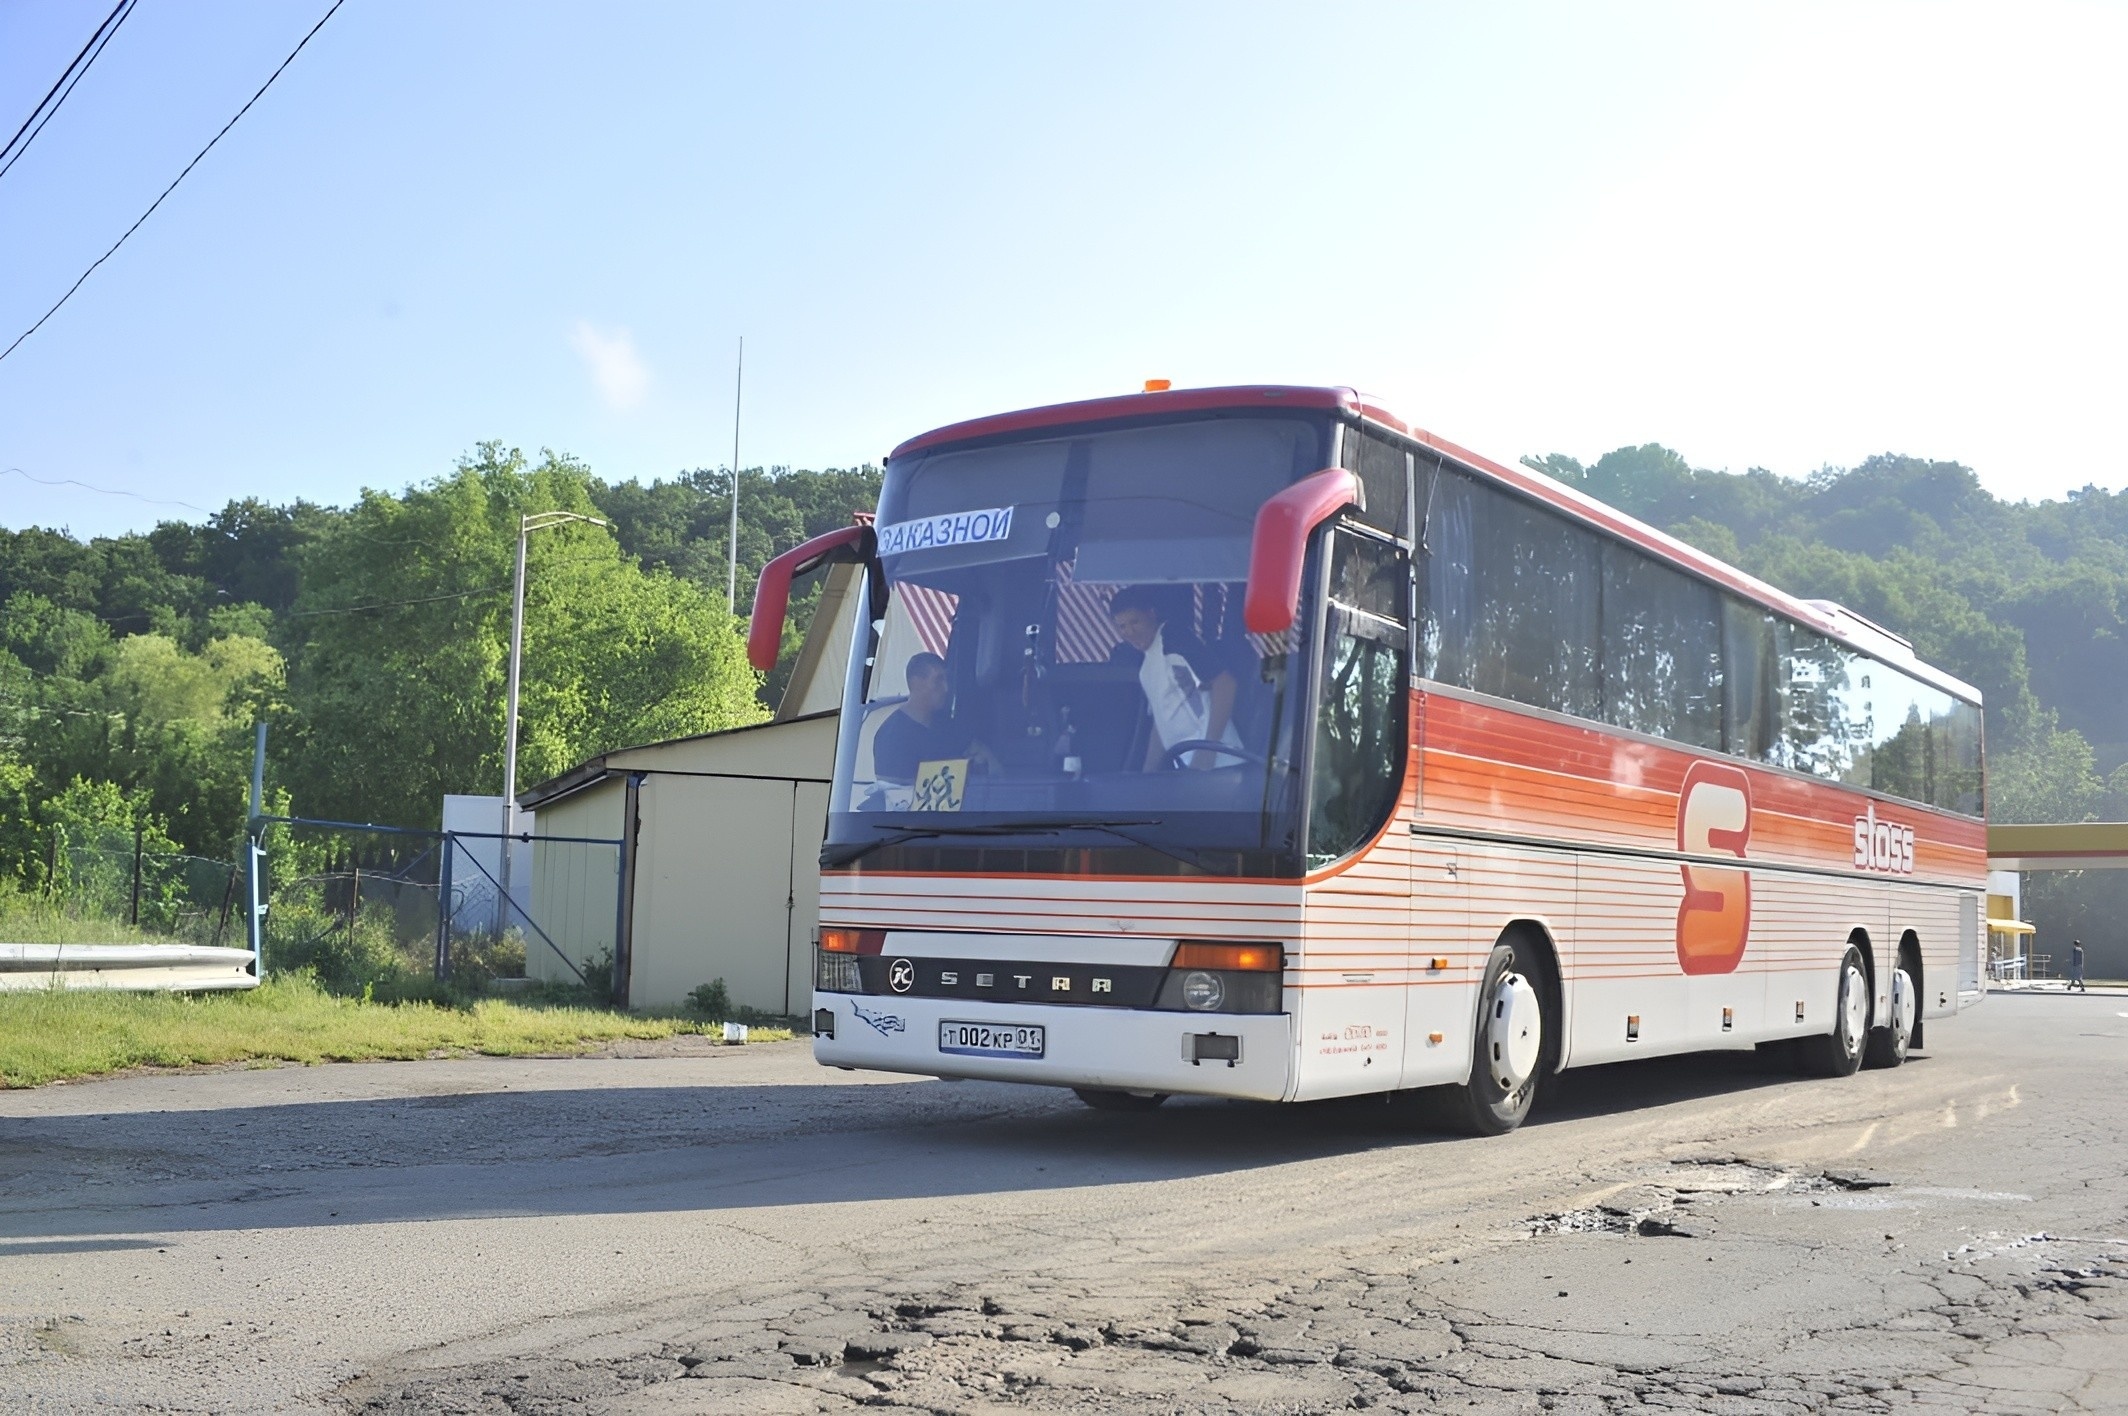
(991, 1039)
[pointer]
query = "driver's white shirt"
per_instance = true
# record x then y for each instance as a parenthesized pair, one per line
(1181, 704)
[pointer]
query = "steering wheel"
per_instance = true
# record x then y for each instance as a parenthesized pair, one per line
(1183, 749)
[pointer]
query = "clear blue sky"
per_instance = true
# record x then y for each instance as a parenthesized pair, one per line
(1785, 235)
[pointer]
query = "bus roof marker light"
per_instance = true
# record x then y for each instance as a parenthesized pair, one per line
(1158, 385)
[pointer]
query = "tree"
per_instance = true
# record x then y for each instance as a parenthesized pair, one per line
(400, 639)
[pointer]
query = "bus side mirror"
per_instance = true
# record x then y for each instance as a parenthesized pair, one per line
(772, 598)
(1280, 546)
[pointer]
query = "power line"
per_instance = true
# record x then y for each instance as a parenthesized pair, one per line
(394, 604)
(173, 185)
(101, 491)
(72, 75)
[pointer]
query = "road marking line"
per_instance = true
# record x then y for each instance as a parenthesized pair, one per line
(1867, 1132)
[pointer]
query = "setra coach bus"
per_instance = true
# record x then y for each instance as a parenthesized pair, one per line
(1251, 742)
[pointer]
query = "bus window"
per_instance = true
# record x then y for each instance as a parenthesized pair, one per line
(1360, 723)
(1537, 603)
(1957, 778)
(1447, 611)
(1384, 470)
(1750, 706)
(1662, 662)
(1828, 727)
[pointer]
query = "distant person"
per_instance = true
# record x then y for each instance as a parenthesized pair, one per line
(2076, 965)
(923, 729)
(1189, 692)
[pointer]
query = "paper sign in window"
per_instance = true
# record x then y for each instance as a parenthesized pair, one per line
(940, 785)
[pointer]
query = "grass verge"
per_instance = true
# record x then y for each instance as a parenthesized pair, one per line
(50, 1034)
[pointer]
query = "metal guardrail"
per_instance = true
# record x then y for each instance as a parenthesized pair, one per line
(135, 967)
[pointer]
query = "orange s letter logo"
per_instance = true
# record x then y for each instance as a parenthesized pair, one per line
(1714, 920)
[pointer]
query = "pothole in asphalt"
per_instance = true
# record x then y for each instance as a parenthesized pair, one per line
(1672, 1190)
(1604, 1219)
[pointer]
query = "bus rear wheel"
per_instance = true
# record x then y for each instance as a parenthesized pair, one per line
(1838, 1053)
(1102, 1099)
(1887, 1045)
(1510, 1049)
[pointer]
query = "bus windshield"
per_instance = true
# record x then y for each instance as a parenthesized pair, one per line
(1055, 655)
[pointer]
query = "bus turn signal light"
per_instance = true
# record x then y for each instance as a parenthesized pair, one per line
(1242, 958)
(852, 941)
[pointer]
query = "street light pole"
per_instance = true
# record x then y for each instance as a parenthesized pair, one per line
(526, 525)
(731, 594)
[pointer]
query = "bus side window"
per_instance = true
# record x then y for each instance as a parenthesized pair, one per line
(1360, 734)
(1384, 470)
(1448, 613)
(1749, 709)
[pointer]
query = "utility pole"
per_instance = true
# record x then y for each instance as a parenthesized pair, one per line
(526, 525)
(731, 594)
(255, 858)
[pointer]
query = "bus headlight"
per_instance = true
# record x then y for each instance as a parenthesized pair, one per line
(1203, 991)
(1224, 977)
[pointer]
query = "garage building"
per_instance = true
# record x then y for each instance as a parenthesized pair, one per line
(720, 873)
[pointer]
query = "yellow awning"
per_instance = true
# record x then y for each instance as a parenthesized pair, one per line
(2010, 926)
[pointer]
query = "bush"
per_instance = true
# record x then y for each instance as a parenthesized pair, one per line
(712, 1000)
(598, 977)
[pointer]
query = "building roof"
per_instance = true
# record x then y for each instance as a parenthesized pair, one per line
(592, 771)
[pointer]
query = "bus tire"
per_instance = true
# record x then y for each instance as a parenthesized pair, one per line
(1511, 1048)
(1838, 1052)
(1103, 1099)
(1888, 1045)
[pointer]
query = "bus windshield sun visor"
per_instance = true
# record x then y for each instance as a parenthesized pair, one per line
(772, 598)
(1280, 546)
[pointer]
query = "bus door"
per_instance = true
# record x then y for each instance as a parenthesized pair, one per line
(1356, 947)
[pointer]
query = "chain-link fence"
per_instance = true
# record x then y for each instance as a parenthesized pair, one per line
(392, 910)
(111, 877)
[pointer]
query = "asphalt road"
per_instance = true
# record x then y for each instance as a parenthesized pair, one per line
(740, 1231)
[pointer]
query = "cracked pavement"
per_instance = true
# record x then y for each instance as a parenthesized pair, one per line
(737, 1231)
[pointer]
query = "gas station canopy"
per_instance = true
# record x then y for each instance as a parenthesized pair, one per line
(2082, 845)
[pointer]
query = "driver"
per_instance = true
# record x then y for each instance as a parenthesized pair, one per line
(1188, 691)
(923, 729)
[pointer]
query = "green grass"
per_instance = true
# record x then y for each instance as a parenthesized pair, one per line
(50, 1034)
(28, 919)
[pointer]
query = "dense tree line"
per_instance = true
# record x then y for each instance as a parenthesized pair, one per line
(373, 636)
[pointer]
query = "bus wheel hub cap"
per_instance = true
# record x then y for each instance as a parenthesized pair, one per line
(1517, 1033)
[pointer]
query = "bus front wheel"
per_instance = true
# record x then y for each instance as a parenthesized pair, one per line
(1838, 1053)
(1511, 1049)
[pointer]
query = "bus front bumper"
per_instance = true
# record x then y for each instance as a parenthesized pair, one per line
(1118, 1049)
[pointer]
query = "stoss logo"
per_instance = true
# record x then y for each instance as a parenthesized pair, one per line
(1714, 919)
(1880, 845)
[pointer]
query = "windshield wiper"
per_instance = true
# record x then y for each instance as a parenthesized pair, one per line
(845, 853)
